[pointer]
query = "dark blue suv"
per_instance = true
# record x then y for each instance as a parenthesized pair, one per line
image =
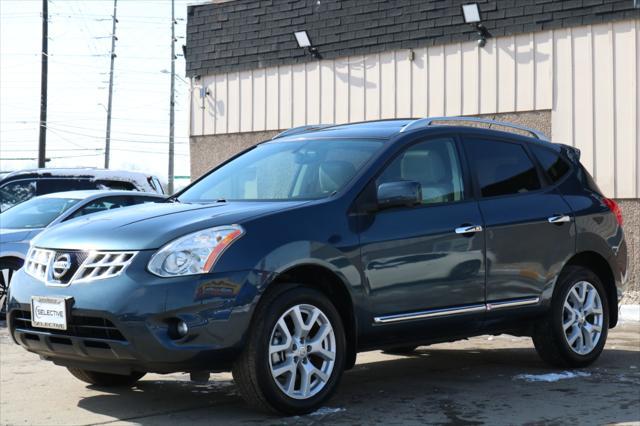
(287, 260)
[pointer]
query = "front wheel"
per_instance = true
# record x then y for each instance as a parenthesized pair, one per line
(8, 266)
(575, 330)
(295, 354)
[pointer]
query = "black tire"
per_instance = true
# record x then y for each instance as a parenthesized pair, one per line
(251, 371)
(8, 267)
(400, 350)
(105, 379)
(548, 335)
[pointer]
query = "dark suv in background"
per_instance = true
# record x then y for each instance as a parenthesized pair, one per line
(287, 260)
(17, 187)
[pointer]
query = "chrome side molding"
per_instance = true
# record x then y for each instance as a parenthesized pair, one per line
(434, 313)
(513, 303)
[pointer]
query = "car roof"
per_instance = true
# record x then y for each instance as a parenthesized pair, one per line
(95, 193)
(388, 129)
(96, 173)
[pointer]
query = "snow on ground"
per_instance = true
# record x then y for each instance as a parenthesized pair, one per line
(551, 377)
(326, 410)
(630, 313)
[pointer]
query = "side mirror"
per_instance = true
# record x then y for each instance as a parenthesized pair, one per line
(404, 193)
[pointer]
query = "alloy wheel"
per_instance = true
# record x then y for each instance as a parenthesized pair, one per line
(302, 351)
(582, 317)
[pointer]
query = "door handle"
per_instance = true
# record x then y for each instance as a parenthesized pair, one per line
(468, 229)
(559, 219)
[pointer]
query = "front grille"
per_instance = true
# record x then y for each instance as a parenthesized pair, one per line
(65, 267)
(37, 262)
(78, 326)
(100, 265)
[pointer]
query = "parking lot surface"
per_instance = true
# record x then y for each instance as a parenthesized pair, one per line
(484, 380)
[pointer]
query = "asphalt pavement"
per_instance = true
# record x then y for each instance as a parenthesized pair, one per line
(484, 380)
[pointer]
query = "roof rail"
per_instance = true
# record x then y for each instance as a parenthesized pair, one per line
(428, 121)
(301, 129)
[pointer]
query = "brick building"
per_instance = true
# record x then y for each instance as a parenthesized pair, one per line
(569, 68)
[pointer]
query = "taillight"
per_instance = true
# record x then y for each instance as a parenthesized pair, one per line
(615, 209)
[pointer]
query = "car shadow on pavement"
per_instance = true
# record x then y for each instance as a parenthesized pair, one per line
(430, 386)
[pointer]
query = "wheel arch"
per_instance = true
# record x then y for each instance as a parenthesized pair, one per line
(335, 288)
(596, 263)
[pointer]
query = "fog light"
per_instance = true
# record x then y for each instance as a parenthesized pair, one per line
(182, 328)
(178, 329)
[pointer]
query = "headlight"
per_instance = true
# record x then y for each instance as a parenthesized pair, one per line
(194, 253)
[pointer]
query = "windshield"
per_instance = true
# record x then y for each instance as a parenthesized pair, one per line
(307, 169)
(35, 213)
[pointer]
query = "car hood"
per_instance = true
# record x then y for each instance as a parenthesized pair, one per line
(150, 226)
(17, 235)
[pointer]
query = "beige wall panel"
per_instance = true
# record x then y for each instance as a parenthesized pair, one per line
(273, 99)
(327, 97)
(625, 107)
(543, 70)
(436, 81)
(299, 95)
(259, 99)
(506, 74)
(403, 84)
(583, 94)
(603, 110)
(313, 92)
(220, 103)
(488, 86)
(341, 69)
(471, 75)
(233, 102)
(286, 100)
(387, 85)
(209, 111)
(356, 89)
(562, 119)
(525, 72)
(453, 79)
(372, 87)
(246, 101)
(419, 83)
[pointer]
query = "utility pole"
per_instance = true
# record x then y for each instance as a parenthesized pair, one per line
(172, 100)
(107, 144)
(42, 141)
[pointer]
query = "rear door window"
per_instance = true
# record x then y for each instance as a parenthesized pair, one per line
(50, 186)
(16, 192)
(502, 168)
(551, 162)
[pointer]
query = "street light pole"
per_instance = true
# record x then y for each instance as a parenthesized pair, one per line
(172, 100)
(107, 144)
(42, 141)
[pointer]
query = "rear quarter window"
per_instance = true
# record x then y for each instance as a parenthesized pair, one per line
(553, 164)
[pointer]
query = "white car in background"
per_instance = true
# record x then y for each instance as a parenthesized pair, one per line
(19, 186)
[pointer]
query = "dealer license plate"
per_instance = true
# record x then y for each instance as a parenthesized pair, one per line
(49, 312)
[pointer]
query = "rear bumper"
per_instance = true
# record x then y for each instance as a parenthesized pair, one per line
(122, 324)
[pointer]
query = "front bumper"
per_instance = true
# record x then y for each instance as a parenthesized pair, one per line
(122, 324)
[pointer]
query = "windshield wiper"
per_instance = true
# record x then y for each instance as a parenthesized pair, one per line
(172, 199)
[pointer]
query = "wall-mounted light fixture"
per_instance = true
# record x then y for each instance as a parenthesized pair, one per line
(471, 14)
(304, 42)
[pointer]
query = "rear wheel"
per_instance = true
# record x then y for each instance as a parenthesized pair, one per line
(575, 331)
(105, 379)
(295, 354)
(7, 268)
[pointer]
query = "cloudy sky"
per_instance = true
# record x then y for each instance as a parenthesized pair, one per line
(79, 46)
